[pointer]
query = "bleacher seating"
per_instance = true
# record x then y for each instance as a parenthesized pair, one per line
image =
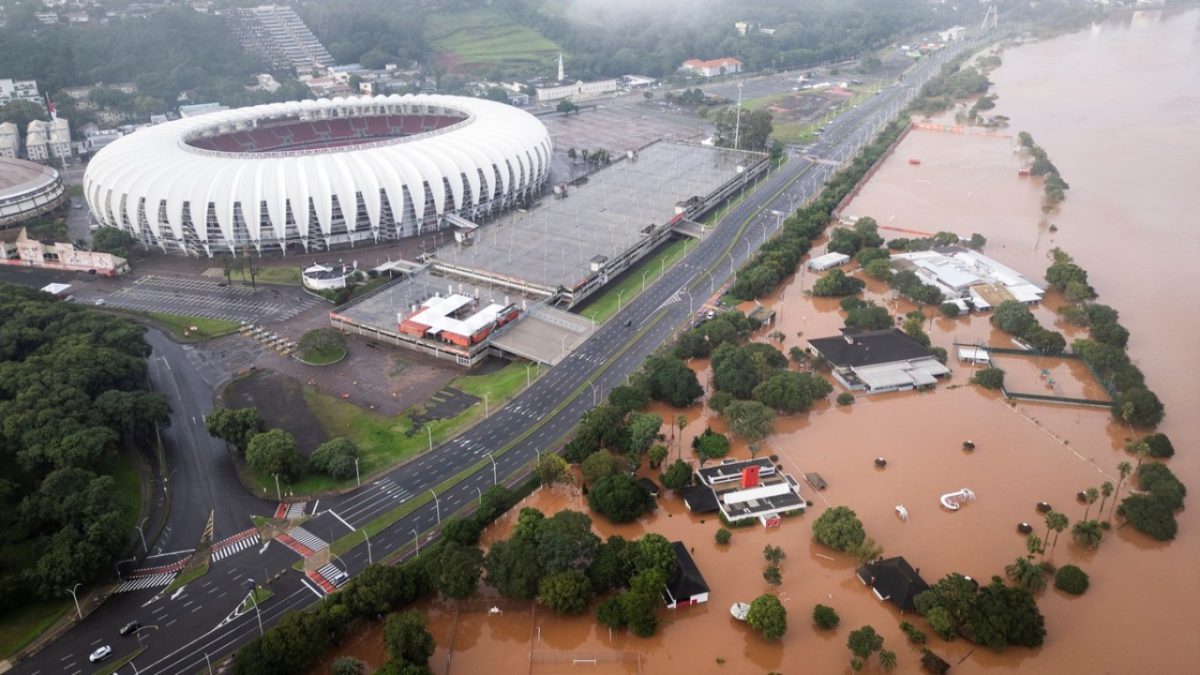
(332, 133)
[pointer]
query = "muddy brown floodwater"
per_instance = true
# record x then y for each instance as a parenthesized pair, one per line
(1116, 108)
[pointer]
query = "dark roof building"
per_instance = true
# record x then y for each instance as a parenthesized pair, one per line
(686, 586)
(879, 360)
(894, 580)
(699, 499)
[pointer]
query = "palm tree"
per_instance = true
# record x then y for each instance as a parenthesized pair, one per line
(1033, 544)
(1123, 469)
(1140, 450)
(1090, 496)
(681, 422)
(1087, 533)
(887, 660)
(1058, 522)
(1106, 491)
(1026, 575)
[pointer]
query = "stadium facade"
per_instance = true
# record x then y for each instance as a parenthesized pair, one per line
(316, 175)
(27, 190)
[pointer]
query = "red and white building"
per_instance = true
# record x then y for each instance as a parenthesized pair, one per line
(456, 319)
(723, 66)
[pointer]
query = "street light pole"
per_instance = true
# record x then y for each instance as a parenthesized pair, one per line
(485, 405)
(76, 599)
(644, 273)
(210, 670)
(416, 542)
(429, 430)
(370, 558)
(357, 476)
(619, 294)
(145, 549)
(278, 493)
(257, 612)
(438, 505)
(495, 478)
(480, 495)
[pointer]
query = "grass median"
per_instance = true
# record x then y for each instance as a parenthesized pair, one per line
(116, 665)
(623, 292)
(186, 577)
(194, 327)
(255, 598)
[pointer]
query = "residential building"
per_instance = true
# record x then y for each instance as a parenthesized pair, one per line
(879, 360)
(19, 90)
(197, 109)
(576, 91)
(17, 248)
(687, 585)
(713, 68)
(10, 140)
(895, 581)
(48, 141)
(637, 81)
(279, 35)
(96, 140)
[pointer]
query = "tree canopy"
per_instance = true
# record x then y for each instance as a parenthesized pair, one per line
(768, 616)
(620, 498)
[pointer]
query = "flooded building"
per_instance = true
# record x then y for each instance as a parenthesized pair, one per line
(687, 585)
(961, 273)
(895, 581)
(753, 488)
(879, 360)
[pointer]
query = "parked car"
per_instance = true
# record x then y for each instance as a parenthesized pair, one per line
(100, 654)
(130, 627)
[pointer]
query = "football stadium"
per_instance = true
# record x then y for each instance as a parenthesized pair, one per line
(309, 176)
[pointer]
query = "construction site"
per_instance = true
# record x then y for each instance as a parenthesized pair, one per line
(506, 287)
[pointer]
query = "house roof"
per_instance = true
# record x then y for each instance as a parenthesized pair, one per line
(894, 580)
(867, 348)
(700, 498)
(687, 580)
(714, 63)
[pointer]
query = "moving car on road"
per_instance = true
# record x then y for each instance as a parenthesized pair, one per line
(100, 654)
(129, 628)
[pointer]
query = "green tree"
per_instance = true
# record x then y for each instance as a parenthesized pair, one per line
(566, 107)
(463, 531)
(1090, 495)
(657, 455)
(672, 382)
(837, 283)
(565, 541)
(611, 613)
(1026, 574)
(600, 464)
(551, 469)
(723, 536)
(677, 476)
(773, 554)
(1106, 491)
(456, 574)
(869, 317)
(887, 660)
(641, 602)
(628, 398)
(235, 426)
(1138, 407)
(1150, 515)
(653, 552)
(749, 420)
(274, 453)
(113, 240)
(772, 575)
(321, 341)
(1088, 533)
(1006, 615)
(1012, 316)
(566, 592)
(825, 617)
(1057, 522)
(1071, 579)
(335, 457)
(864, 642)
(839, 528)
(406, 639)
(513, 568)
(1123, 471)
(620, 498)
(643, 428)
(768, 616)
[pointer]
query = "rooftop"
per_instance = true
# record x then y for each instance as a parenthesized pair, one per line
(894, 580)
(687, 580)
(855, 349)
(729, 471)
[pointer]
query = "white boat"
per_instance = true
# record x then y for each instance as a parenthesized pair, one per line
(953, 501)
(902, 512)
(739, 610)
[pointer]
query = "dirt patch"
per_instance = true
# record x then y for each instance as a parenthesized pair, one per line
(280, 400)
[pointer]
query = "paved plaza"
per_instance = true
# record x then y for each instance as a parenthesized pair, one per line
(208, 299)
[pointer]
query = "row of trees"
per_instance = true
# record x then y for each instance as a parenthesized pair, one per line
(1015, 318)
(73, 392)
(273, 452)
(1054, 186)
(1133, 402)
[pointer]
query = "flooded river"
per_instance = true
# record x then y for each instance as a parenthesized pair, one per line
(1116, 108)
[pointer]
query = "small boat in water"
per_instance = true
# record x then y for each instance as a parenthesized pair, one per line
(953, 501)
(739, 610)
(902, 512)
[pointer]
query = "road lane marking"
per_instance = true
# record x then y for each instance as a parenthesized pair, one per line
(335, 515)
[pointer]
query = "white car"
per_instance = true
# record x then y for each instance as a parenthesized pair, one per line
(100, 654)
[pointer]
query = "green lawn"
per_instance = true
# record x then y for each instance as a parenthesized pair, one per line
(323, 358)
(488, 37)
(207, 329)
(19, 627)
(186, 577)
(385, 441)
(605, 304)
(260, 596)
(285, 276)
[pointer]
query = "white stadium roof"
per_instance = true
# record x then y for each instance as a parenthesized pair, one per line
(494, 146)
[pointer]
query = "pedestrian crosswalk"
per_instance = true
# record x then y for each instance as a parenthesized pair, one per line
(234, 545)
(308, 539)
(333, 574)
(140, 583)
(296, 509)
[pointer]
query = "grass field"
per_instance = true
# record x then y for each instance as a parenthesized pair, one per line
(186, 577)
(605, 305)
(285, 276)
(19, 627)
(385, 441)
(207, 329)
(324, 358)
(487, 37)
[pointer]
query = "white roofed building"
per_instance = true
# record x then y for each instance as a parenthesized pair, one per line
(961, 273)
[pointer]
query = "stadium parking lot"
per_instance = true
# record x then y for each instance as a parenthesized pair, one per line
(209, 299)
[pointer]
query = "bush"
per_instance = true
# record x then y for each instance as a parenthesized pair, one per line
(845, 398)
(839, 528)
(915, 635)
(948, 310)
(1150, 515)
(825, 617)
(989, 378)
(620, 498)
(837, 283)
(1071, 579)
(1160, 446)
(723, 536)
(336, 458)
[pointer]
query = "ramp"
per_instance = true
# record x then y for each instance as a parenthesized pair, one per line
(544, 334)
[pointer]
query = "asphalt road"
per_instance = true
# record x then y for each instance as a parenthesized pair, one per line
(192, 628)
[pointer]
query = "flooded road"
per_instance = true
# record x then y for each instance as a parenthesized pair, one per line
(1116, 108)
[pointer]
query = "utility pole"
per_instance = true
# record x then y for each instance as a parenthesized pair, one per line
(737, 127)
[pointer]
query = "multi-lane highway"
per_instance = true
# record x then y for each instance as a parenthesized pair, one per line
(197, 627)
